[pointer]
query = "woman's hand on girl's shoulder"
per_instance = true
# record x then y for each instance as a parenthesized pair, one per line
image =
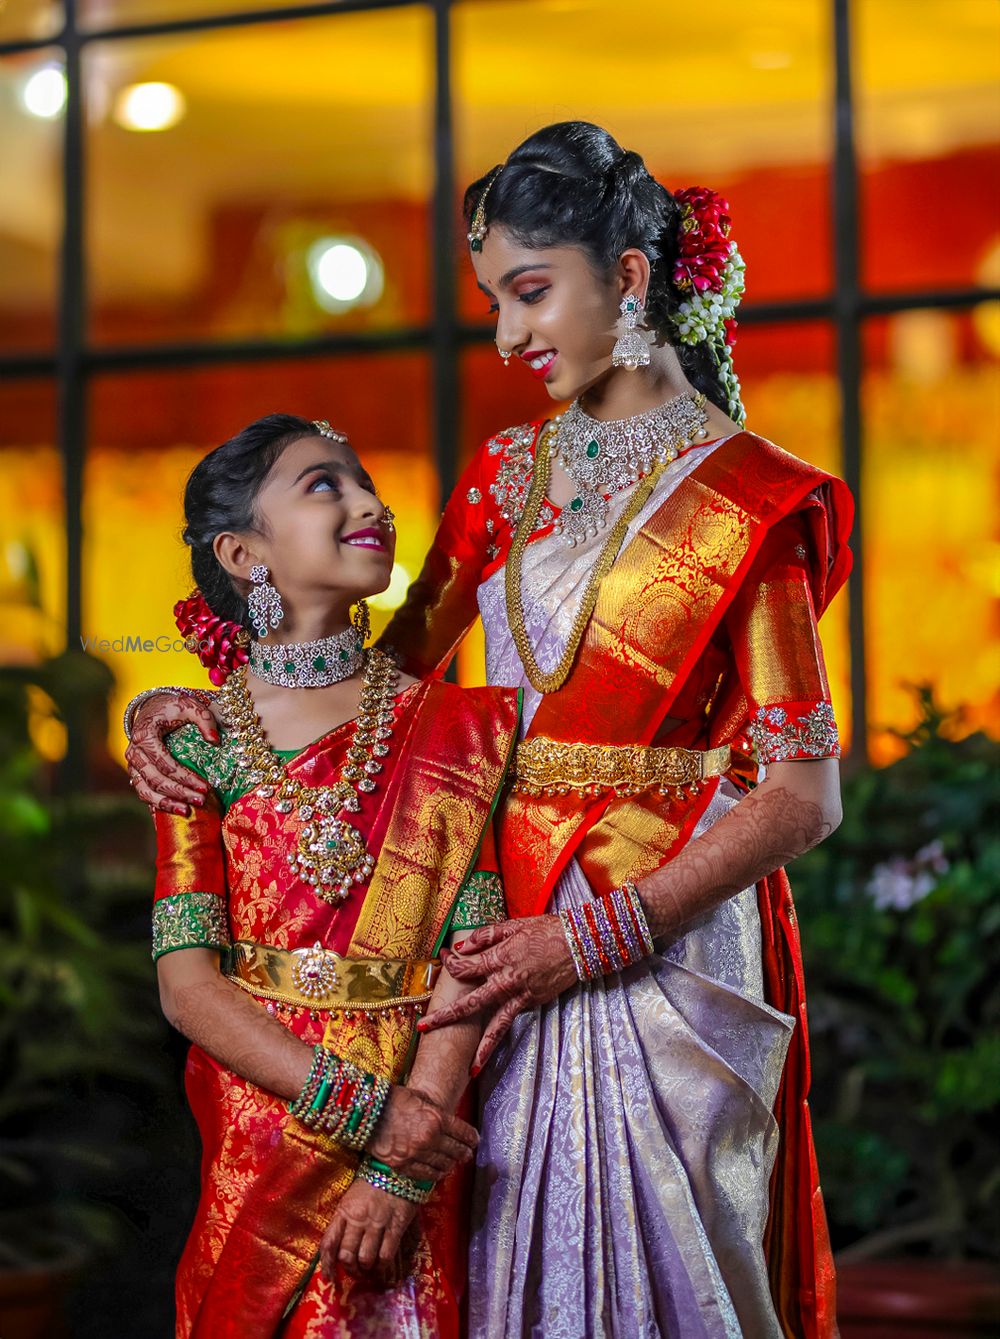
(158, 778)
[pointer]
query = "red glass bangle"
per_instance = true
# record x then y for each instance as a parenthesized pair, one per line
(606, 964)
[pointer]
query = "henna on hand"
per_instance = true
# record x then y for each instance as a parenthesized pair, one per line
(366, 1231)
(767, 829)
(521, 964)
(418, 1138)
(159, 779)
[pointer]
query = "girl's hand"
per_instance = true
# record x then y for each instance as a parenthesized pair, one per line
(366, 1231)
(416, 1137)
(521, 964)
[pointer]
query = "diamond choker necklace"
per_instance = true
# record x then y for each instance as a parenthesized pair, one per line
(309, 664)
(604, 458)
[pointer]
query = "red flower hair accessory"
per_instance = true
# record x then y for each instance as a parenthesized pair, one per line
(709, 272)
(218, 644)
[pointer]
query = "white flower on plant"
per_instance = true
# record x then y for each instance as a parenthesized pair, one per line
(899, 883)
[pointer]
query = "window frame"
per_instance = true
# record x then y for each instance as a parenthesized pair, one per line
(73, 362)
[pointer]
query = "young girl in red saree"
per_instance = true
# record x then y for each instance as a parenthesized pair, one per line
(299, 913)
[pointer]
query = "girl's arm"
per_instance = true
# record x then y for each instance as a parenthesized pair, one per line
(190, 928)
(415, 1135)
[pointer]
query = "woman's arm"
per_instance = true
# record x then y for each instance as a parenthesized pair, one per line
(779, 693)
(520, 964)
(794, 808)
(440, 605)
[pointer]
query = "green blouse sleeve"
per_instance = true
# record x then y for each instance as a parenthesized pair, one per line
(214, 763)
(481, 902)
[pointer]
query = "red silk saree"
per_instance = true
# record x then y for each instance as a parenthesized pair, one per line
(269, 1186)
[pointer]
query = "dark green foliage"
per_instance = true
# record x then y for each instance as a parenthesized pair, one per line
(900, 916)
(80, 1035)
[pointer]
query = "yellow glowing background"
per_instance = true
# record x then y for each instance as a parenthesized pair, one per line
(292, 131)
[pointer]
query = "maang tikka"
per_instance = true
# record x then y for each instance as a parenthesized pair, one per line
(263, 601)
(631, 349)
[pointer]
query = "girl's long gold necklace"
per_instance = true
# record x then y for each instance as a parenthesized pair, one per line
(331, 854)
(540, 680)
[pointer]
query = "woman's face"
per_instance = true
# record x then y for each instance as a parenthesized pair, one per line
(321, 524)
(553, 310)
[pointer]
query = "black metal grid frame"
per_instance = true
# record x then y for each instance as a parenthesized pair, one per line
(73, 363)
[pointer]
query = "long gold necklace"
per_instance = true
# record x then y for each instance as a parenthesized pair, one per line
(331, 854)
(551, 681)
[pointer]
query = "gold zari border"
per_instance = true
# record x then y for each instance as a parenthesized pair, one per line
(549, 767)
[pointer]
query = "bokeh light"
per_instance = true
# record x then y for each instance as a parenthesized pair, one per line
(44, 94)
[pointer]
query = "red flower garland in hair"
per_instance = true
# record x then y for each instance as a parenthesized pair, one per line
(709, 275)
(216, 642)
(704, 240)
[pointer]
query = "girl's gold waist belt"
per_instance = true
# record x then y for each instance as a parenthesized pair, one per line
(549, 767)
(319, 978)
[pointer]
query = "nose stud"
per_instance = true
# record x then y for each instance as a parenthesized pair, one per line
(505, 355)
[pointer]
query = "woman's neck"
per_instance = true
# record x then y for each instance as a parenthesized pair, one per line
(621, 392)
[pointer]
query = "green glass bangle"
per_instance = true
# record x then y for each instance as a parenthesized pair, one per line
(386, 1170)
(319, 1101)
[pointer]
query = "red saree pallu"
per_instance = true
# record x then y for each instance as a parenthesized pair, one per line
(270, 1185)
(707, 617)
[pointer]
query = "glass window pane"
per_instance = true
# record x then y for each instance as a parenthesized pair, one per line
(26, 20)
(746, 111)
(286, 192)
(791, 395)
(928, 128)
(32, 524)
(932, 422)
(149, 430)
(32, 94)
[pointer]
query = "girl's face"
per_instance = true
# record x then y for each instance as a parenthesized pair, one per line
(553, 310)
(321, 523)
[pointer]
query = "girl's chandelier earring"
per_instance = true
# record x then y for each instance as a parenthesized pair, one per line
(263, 601)
(505, 355)
(389, 520)
(362, 621)
(630, 350)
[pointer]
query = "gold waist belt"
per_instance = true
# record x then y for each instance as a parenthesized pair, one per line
(319, 978)
(547, 767)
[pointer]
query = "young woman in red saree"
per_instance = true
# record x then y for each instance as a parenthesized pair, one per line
(343, 836)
